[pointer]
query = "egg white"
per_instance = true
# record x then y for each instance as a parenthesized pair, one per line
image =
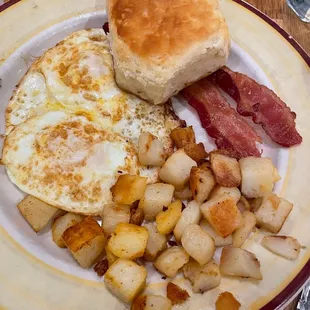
(68, 161)
(77, 76)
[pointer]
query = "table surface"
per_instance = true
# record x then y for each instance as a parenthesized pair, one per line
(279, 11)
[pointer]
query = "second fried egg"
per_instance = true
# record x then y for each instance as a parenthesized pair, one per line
(68, 161)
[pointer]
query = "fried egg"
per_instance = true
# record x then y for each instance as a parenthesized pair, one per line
(71, 131)
(77, 76)
(68, 161)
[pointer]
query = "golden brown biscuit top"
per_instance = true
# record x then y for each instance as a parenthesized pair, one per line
(161, 28)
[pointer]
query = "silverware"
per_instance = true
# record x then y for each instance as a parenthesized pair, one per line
(304, 301)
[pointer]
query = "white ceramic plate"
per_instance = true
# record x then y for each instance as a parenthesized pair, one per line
(35, 274)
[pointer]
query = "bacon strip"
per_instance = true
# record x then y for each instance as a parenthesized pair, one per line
(258, 101)
(230, 131)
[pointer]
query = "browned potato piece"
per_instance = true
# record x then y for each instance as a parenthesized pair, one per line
(136, 216)
(176, 170)
(183, 194)
(218, 240)
(150, 150)
(219, 191)
(239, 263)
(168, 218)
(273, 212)
(113, 215)
(171, 260)
(156, 196)
(151, 302)
(255, 203)
(128, 189)
(198, 243)
(226, 170)
(287, 247)
(61, 224)
(182, 136)
(36, 212)
(258, 176)
(156, 243)
(201, 182)
(242, 233)
(190, 215)
(227, 301)
(129, 241)
(110, 256)
(195, 151)
(243, 204)
(85, 240)
(125, 279)
(101, 267)
(176, 294)
(203, 278)
(223, 215)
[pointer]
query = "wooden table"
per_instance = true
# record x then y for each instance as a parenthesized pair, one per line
(280, 12)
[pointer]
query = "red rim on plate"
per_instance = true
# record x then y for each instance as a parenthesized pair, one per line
(296, 284)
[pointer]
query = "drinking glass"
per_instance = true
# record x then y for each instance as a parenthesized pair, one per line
(301, 8)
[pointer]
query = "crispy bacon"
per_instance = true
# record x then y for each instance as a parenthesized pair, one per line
(230, 131)
(258, 101)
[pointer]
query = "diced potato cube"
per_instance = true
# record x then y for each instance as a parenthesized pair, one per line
(258, 176)
(201, 182)
(150, 150)
(255, 203)
(219, 191)
(61, 224)
(156, 196)
(156, 243)
(203, 278)
(182, 136)
(151, 302)
(239, 263)
(129, 241)
(243, 204)
(198, 244)
(128, 189)
(171, 260)
(190, 215)
(227, 301)
(273, 212)
(125, 279)
(242, 233)
(36, 212)
(223, 215)
(113, 215)
(110, 256)
(176, 170)
(287, 247)
(183, 194)
(168, 218)
(136, 216)
(176, 294)
(226, 170)
(195, 151)
(85, 240)
(218, 240)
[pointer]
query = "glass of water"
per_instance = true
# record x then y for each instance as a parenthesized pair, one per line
(301, 8)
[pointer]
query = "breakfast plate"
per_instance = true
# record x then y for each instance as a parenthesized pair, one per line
(35, 274)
